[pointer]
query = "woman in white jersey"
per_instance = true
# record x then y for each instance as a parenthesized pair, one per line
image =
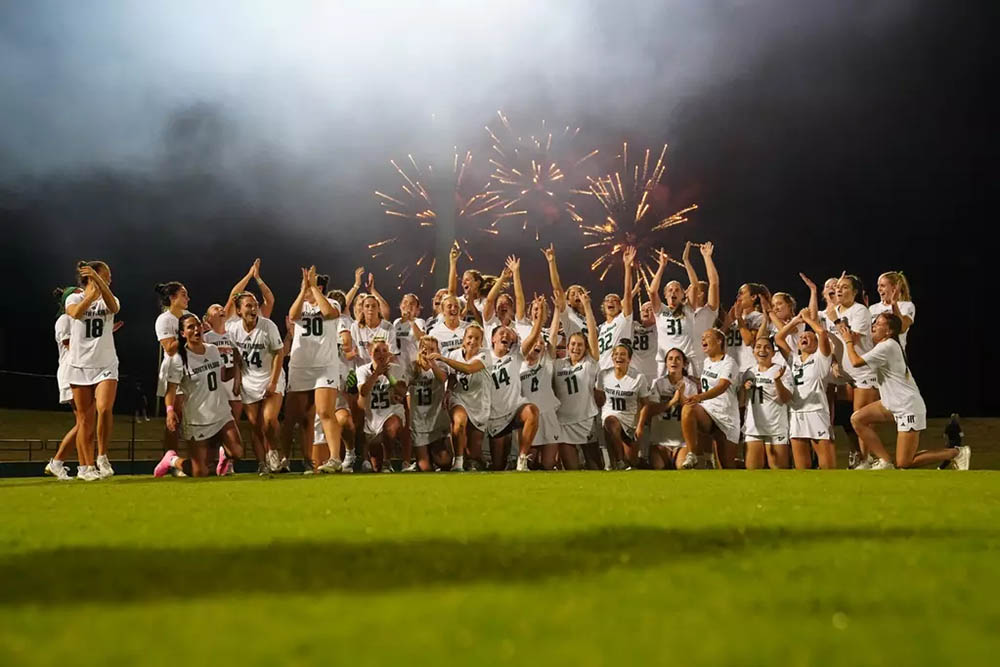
(469, 393)
(197, 367)
(617, 325)
(575, 376)
(575, 317)
(623, 392)
(894, 297)
(370, 326)
(704, 299)
(266, 305)
(473, 297)
(409, 327)
(809, 425)
(436, 308)
(429, 425)
(174, 301)
(450, 329)
(900, 401)
(766, 420)
(262, 380)
(714, 411)
(499, 309)
(663, 413)
(508, 409)
(313, 371)
(862, 387)
(644, 341)
(215, 333)
(93, 365)
(536, 388)
(742, 323)
(63, 327)
(382, 392)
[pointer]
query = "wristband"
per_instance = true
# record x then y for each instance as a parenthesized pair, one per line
(170, 409)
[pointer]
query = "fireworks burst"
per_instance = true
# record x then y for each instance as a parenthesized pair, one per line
(410, 253)
(536, 176)
(631, 198)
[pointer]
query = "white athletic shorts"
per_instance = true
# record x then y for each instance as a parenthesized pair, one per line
(813, 425)
(549, 432)
(84, 377)
(439, 429)
(498, 425)
(200, 432)
(578, 433)
(910, 421)
(254, 387)
(375, 423)
(767, 439)
(62, 381)
(730, 428)
(316, 377)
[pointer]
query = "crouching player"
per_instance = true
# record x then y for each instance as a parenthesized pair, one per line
(382, 390)
(429, 423)
(199, 371)
(667, 450)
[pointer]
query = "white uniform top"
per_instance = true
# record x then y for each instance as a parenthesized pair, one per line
(64, 325)
(622, 395)
(405, 340)
(859, 320)
(314, 343)
(573, 322)
(809, 381)
(472, 390)
(380, 406)
(480, 304)
(363, 335)
(645, 348)
(735, 349)
(343, 323)
(225, 345)
(450, 339)
(505, 390)
(704, 319)
(610, 334)
(91, 344)
(574, 387)
(536, 384)
(257, 347)
(665, 428)
(168, 325)
(765, 415)
(897, 389)
(727, 403)
(205, 403)
(426, 398)
(905, 307)
(676, 330)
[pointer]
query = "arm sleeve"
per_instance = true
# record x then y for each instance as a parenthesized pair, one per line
(175, 369)
(878, 356)
(860, 321)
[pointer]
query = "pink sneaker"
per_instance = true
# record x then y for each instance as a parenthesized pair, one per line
(163, 467)
(225, 465)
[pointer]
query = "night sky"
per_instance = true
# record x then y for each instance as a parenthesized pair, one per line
(182, 143)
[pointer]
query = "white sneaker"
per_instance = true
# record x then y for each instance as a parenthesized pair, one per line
(411, 468)
(522, 463)
(58, 470)
(104, 468)
(883, 465)
(331, 466)
(458, 465)
(690, 461)
(366, 466)
(862, 464)
(348, 464)
(284, 465)
(961, 462)
(273, 460)
(88, 474)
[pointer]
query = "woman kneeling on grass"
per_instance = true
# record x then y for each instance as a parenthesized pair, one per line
(900, 401)
(198, 369)
(715, 411)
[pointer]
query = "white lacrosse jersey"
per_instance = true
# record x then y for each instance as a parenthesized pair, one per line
(91, 344)
(574, 388)
(622, 395)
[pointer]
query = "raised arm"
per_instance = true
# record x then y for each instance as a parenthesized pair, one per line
(266, 295)
(536, 328)
(383, 306)
(514, 264)
(588, 311)
(239, 287)
(359, 273)
(489, 309)
(295, 310)
(102, 288)
(813, 296)
(654, 285)
(688, 266)
(453, 270)
(713, 299)
(781, 338)
(78, 310)
(558, 307)
(825, 347)
(628, 257)
(550, 257)
(905, 319)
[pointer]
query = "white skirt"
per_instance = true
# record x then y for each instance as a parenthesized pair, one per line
(549, 432)
(813, 425)
(201, 432)
(85, 377)
(578, 433)
(310, 378)
(254, 387)
(374, 423)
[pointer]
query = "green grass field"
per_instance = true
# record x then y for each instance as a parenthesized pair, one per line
(893, 568)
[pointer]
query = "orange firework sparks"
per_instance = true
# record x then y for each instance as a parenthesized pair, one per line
(631, 215)
(537, 176)
(409, 253)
